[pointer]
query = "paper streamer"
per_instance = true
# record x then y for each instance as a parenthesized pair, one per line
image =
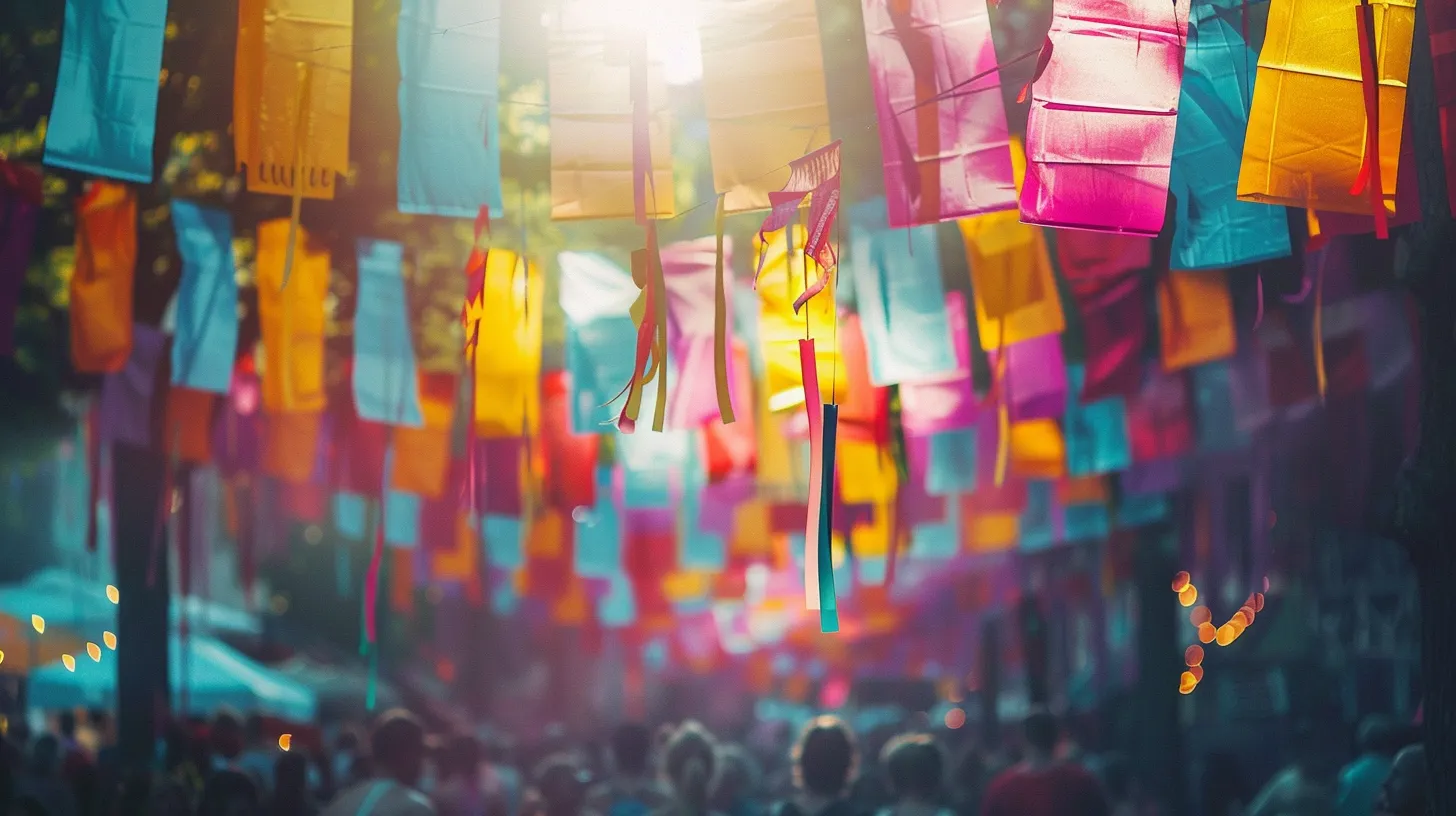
(763, 88)
(101, 284)
(649, 313)
(938, 97)
(816, 176)
(292, 321)
(20, 204)
(206, 338)
(1306, 140)
(1213, 229)
(385, 378)
(828, 603)
(721, 376)
(292, 50)
(692, 273)
(814, 409)
(1103, 113)
(449, 102)
(508, 369)
(104, 116)
(779, 330)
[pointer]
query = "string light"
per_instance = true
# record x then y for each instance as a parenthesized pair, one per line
(93, 651)
(38, 623)
(1202, 618)
(285, 741)
(109, 639)
(113, 594)
(69, 662)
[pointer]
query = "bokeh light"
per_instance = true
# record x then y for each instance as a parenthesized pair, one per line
(1188, 596)
(109, 638)
(1180, 581)
(113, 594)
(955, 718)
(1200, 616)
(1206, 632)
(1193, 655)
(38, 624)
(1226, 634)
(93, 651)
(69, 662)
(285, 741)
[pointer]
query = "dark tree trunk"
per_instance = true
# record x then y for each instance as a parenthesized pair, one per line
(1159, 753)
(143, 625)
(1424, 509)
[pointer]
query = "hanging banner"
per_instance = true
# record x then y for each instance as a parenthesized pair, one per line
(126, 395)
(1035, 378)
(101, 284)
(1105, 273)
(1011, 274)
(941, 119)
(189, 425)
(385, 381)
(1096, 431)
(763, 87)
(1037, 450)
(206, 340)
(1196, 318)
(292, 321)
(948, 403)
(689, 268)
(592, 135)
(952, 464)
(1213, 229)
(1099, 134)
(292, 84)
(104, 116)
(1158, 420)
(895, 277)
(1307, 144)
(595, 294)
(449, 107)
(291, 445)
(422, 455)
(20, 200)
(780, 282)
(508, 365)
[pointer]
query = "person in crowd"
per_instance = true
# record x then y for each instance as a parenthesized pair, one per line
(398, 749)
(824, 760)
(290, 787)
(915, 766)
(1404, 790)
(460, 792)
(228, 740)
(1306, 786)
(346, 749)
(229, 792)
(256, 759)
(75, 758)
(1039, 785)
(43, 780)
(735, 791)
(968, 781)
(561, 789)
(630, 790)
(689, 761)
(1360, 781)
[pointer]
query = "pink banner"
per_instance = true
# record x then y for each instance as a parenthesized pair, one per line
(942, 123)
(1103, 112)
(947, 404)
(688, 270)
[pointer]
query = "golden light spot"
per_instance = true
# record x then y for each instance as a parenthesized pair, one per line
(94, 651)
(1226, 634)
(38, 623)
(109, 638)
(1188, 596)
(1187, 683)
(1193, 655)
(113, 594)
(1180, 581)
(2, 656)
(1206, 632)
(1197, 672)
(69, 662)
(955, 718)
(285, 741)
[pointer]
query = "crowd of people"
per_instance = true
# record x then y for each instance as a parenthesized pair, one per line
(228, 769)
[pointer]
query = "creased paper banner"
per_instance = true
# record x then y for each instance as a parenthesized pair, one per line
(20, 200)
(449, 102)
(1213, 229)
(592, 149)
(1096, 431)
(508, 369)
(206, 338)
(385, 379)
(689, 268)
(1196, 318)
(938, 97)
(1105, 273)
(104, 116)
(1100, 130)
(292, 321)
(947, 404)
(101, 284)
(275, 38)
(763, 87)
(1306, 141)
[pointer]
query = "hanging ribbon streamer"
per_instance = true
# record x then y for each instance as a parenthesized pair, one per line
(815, 176)
(720, 323)
(1318, 328)
(300, 138)
(1369, 175)
(828, 604)
(649, 313)
(814, 411)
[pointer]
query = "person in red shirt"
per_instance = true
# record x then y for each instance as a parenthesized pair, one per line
(1041, 785)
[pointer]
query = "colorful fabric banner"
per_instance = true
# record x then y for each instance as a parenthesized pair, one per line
(763, 86)
(592, 132)
(508, 365)
(104, 116)
(1213, 397)
(101, 284)
(938, 97)
(126, 395)
(1196, 318)
(206, 339)
(898, 294)
(292, 85)
(293, 320)
(689, 269)
(1035, 378)
(1096, 431)
(1158, 419)
(422, 455)
(1103, 113)
(1037, 450)
(948, 403)
(779, 330)
(1213, 229)
(291, 445)
(1104, 272)
(188, 431)
(952, 463)
(595, 294)
(20, 204)
(1011, 275)
(449, 105)
(1306, 144)
(385, 385)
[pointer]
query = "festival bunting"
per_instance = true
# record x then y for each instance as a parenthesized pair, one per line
(1099, 135)
(205, 343)
(1196, 318)
(1105, 274)
(292, 87)
(781, 281)
(104, 116)
(101, 285)
(1096, 431)
(385, 387)
(595, 295)
(689, 269)
(942, 125)
(291, 444)
(20, 200)
(507, 391)
(449, 104)
(947, 403)
(292, 321)
(422, 455)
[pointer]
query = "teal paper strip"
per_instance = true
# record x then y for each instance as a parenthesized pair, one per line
(828, 604)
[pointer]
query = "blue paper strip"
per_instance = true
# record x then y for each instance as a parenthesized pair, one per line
(952, 465)
(504, 549)
(1085, 522)
(1096, 433)
(349, 514)
(385, 385)
(1213, 229)
(1038, 525)
(596, 295)
(206, 339)
(598, 551)
(617, 607)
(104, 117)
(449, 103)
(1213, 390)
(828, 601)
(1138, 509)
(401, 519)
(940, 540)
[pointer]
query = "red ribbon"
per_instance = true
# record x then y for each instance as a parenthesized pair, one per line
(1369, 176)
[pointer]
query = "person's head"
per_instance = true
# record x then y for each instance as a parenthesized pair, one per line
(825, 757)
(347, 742)
(562, 784)
(631, 749)
(738, 777)
(66, 724)
(915, 767)
(290, 777)
(461, 757)
(45, 755)
(398, 747)
(1041, 732)
(689, 761)
(1379, 735)
(227, 735)
(229, 793)
(1404, 791)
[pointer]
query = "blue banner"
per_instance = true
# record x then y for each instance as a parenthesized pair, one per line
(386, 389)
(205, 342)
(1096, 433)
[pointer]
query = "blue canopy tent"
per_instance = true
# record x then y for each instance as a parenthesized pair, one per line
(80, 604)
(216, 676)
